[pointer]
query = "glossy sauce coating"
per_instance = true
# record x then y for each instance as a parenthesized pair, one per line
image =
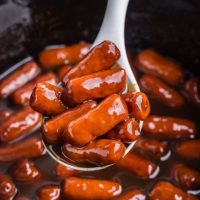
(62, 70)
(126, 131)
(46, 99)
(7, 188)
(138, 166)
(19, 124)
(188, 149)
(164, 190)
(151, 62)
(90, 189)
(53, 128)
(134, 194)
(22, 96)
(97, 121)
(186, 177)
(94, 86)
(25, 171)
(138, 104)
(48, 192)
(18, 78)
(29, 148)
(169, 127)
(4, 114)
(102, 151)
(101, 57)
(161, 91)
(50, 58)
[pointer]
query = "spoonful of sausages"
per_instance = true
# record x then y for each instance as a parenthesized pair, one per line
(95, 116)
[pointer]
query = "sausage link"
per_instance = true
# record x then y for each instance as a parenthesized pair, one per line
(164, 190)
(138, 166)
(188, 149)
(21, 97)
(162, 92)
(63, 172)
(20, 124)
(134, 194)
(62, 70)
(48, 192)
(29, 148)
(46, 99)
(101, 57)
(169, 127)
(94, 86)
(4, 114)
(18, 78)
(50, 58)
(186, 177)
(151, 62)
(126, 131)
(90, 189)
(152, 148)
(102, 151)
(52, 129)
(138, 104)
(25, 171)
(97, 121)
(7, 188)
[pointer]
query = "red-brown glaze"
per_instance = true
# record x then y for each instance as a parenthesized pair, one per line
(19, 124)
(18, 78)
(126, 131)
(46, 99)
(169, 127)
(90, 189)
(161, 91)
(188, 149)
(94, 86)
(101, 57)
(138, 104)
(50, 58)
(29, 148)
(138, 166)
(134, 194)
(151, 62)
(102, 151)
(53, 128)
(164, 190)
(186, 177)
(97, 121)
(62, 70)
(5, 113)
(22, 96)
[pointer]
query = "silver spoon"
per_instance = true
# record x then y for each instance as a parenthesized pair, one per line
(111, 29)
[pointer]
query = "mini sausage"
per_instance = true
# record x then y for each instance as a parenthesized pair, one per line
(29, 148)
(126, 131)
(134, 194)
(101, 57)
(50, 58)
(97, 121)
(7, 188)
(90, 189)
(94, 86)
(164, 190)
(188, 149)
(160, 91)
(21, 97)
(151, 62)
(62, 70)
(25, 171)
(138, 104)
(20, 124)
(53, 128)
(153, 148)
(46, 99)
(138, 166)
(186, 177)
(5, 113)
(18, 78)
(169, 127)
(102, 151)
(48, 192)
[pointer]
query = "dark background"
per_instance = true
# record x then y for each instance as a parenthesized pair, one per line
(170, 26)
